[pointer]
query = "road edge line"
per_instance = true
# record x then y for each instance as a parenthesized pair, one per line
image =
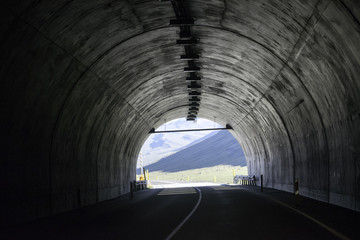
(329, 229)
(187, 217)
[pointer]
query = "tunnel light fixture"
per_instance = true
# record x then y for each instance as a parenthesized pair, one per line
(187, 42)
(194, 93)
(194, 104)
(193, 78)
(194, 109)
(189, 57)
(182, 22)
(194, 85)
(192, 113)
(194, 99)
(185, 34)
(192, 69)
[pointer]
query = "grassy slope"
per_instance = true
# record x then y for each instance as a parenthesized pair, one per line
(213, 157)
(223, 174)
(220, 149)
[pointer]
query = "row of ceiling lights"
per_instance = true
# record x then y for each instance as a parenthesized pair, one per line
(184, 21)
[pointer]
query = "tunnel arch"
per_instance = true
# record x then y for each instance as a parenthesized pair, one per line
(83, 82)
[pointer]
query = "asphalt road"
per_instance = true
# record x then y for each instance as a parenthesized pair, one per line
(216, 212)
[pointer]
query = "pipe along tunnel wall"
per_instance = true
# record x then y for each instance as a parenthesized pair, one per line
(83, 82)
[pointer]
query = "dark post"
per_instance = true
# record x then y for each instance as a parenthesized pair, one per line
(262, 183)
(144, 174)
(296, 191)
(296, 187)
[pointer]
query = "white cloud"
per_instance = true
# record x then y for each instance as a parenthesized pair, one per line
(158, 146)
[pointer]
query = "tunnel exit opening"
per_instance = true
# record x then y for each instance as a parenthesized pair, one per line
(185, 151)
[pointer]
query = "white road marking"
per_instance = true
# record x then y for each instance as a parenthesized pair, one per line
(329, 229)
(187, 217)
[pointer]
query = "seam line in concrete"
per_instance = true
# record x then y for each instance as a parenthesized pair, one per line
(350, 12)
(288, 59)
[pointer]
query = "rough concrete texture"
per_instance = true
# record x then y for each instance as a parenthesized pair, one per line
(83, 82)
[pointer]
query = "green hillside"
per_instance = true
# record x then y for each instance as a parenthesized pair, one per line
(220, 149)
(222, 174)
(213, 157)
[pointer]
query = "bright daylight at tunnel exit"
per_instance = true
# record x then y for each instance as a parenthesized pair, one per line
(210, 155)
(98, 99)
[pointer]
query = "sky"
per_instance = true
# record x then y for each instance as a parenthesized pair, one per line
(160, 145)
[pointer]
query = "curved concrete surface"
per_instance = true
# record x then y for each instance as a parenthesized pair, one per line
(83, 82)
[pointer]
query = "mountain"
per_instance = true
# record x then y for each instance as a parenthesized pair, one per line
(219, 149)
(198, 140)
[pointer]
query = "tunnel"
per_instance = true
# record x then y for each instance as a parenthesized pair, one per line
(83, 83)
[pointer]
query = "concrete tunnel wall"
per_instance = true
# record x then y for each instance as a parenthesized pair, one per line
(83, 82)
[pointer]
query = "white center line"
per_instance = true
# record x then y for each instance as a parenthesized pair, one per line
(187, 217)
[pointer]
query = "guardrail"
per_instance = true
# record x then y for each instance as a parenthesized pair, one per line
(141, 185)
(137, 185)
(245, 180)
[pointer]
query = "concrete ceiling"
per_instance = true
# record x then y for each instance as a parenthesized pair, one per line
(83, 82)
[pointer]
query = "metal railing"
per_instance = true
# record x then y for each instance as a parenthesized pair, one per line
(245, 180)
(141, 184)
(137, 185)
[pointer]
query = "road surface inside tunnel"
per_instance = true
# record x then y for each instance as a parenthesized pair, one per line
(213, 212)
